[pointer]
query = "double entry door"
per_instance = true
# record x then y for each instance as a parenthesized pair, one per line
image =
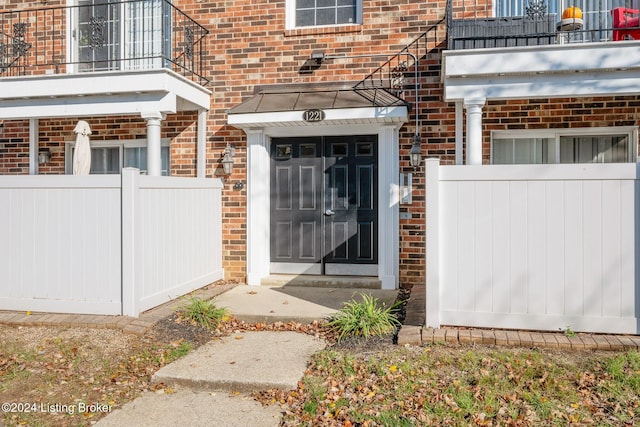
(324, 205)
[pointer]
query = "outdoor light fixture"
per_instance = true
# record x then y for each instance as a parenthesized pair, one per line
(227, 159)
(415, 155)
(44, 156)
(317, 56)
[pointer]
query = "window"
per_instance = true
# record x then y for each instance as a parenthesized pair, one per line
(592, 145)
(314, 13)
(115, 34)
(110, 157)
(518, 7)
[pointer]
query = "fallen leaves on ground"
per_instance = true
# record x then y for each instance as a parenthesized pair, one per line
(457, 385)
(65, 366)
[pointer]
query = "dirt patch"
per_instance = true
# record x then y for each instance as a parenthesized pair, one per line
(54, 376)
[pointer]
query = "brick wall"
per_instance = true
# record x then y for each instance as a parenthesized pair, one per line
(250, 46)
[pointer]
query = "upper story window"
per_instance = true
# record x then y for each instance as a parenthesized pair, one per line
(317, 13)
(519, 7)
(591, 145)
(114, 34)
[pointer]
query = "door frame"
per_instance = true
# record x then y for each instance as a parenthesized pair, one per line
(259, 193)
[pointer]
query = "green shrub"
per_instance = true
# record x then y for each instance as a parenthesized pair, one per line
(364, 319)
(203, 313)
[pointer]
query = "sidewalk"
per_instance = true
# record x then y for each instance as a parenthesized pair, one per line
(212, 385)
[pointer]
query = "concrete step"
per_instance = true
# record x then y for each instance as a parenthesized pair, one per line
(347, 282)
(302, 304)
(244, 362)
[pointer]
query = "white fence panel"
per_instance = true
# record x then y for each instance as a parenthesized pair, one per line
(61, 246)
(178, 229)
(535, 247)
(106, 244)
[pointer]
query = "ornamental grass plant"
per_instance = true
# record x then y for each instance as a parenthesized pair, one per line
(203, 312)
(365, 318)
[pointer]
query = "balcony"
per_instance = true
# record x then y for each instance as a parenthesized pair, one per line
(529, 51)
(111, 57)
(473, 24)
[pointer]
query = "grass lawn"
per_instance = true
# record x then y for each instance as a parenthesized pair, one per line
(464, 385)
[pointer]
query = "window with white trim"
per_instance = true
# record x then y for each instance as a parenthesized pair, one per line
(587, 145)
(109, 157)
(321, 13)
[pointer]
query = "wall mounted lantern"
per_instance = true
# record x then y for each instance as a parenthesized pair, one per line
(415, 155)
(227, 159)
(44, 156)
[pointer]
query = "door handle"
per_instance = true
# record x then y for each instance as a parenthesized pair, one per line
(329, 212)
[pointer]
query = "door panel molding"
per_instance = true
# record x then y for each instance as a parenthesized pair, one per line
(324, 201)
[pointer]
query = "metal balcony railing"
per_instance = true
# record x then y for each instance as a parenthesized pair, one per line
(109, 36)
(475, 24)
(399, 74)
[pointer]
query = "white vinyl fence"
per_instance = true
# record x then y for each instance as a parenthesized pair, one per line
(539, 247)
(110, 244)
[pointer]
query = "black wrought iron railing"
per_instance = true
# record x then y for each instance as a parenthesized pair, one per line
(400, 72)
(475, 24)
(110, 36)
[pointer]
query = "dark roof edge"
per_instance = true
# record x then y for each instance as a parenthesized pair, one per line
(304, 87)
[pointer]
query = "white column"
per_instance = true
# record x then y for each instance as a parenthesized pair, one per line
(258, 203)
(34, 146)
(474, 131)
(201, 161)
(388, 207)
(154, 156)
(459, 132)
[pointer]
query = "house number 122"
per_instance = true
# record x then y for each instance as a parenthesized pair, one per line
(313, 116)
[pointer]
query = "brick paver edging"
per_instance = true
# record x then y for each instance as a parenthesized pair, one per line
(133, 325)
(416, 335)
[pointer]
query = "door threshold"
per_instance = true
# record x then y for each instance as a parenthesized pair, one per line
(345, 282)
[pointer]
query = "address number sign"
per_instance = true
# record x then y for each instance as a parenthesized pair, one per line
(313, 115)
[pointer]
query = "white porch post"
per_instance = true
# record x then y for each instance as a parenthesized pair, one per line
(154, 156)
(459, 132)
(474, 131)
(34, 146)
(258, 202)
(388, 206)
(201, 150)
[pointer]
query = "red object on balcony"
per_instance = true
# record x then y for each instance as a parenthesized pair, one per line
(625, 24)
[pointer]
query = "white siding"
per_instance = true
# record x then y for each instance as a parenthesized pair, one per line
(537, 247)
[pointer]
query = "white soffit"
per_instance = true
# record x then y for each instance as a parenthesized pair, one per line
(98, 93)
(588, 69)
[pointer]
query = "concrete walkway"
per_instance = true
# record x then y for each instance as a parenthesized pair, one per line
(212, 385)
